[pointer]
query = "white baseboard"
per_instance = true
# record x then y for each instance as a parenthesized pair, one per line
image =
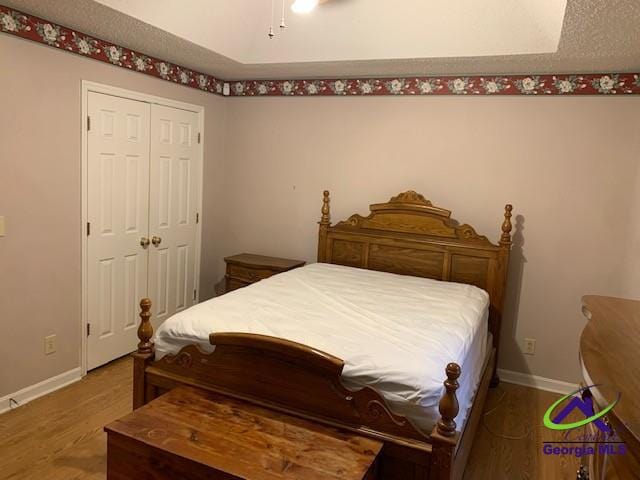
(534, 381)
(32, 392)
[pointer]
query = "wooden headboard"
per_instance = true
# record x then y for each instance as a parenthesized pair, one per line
(410, 236)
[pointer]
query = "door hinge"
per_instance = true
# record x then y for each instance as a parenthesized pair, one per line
(88, 329)
(194, 294)
(88, 229)
(198, 137)
(88, 123)
(197, 217)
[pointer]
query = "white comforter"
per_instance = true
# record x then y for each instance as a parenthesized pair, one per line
(394, 332)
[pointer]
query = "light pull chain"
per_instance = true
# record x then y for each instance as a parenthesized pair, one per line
(271, 32)
(283, 24)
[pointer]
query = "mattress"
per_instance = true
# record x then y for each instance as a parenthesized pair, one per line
(395, 333)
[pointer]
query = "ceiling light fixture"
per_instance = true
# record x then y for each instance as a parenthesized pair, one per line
(298, 6)
(304, 6)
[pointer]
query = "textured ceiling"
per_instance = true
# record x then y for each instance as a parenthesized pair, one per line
(597, 36)
(347, 30)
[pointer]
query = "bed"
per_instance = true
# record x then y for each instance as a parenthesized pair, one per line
(398, 301)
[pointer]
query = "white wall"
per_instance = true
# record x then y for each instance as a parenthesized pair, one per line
(40, 195)
(568, 165)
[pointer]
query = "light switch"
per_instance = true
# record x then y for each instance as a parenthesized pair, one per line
(2, 234)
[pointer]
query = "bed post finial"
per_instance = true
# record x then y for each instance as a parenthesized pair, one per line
(444, 437)
(326, 212)
(505, 238)
(324, 222)
(142, 392)
(448, 406)
(145, 330)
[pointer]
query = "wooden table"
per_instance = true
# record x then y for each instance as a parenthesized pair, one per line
(192, 434)
(610, 355)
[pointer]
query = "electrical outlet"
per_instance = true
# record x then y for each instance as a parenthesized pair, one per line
(529, 346)
(49, 344)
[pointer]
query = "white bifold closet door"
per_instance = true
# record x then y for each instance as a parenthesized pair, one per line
(142, 186)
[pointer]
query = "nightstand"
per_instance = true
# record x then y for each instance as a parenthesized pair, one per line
(246, 268)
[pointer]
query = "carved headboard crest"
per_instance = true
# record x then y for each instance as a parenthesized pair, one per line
(410, 212)
(410, 200)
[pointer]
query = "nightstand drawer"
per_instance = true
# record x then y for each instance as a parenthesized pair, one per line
(233, 284)
(247, 274)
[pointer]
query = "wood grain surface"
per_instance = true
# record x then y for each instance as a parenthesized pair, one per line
(197, 433)
(609, 348)
(261, 261)
(246, 268)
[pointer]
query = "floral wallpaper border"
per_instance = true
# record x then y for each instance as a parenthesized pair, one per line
(584, 84)
(48, 33)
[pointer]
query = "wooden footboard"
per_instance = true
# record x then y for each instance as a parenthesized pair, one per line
(296, 379)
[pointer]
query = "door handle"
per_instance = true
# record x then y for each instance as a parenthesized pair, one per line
(156, 241)
(144, 242)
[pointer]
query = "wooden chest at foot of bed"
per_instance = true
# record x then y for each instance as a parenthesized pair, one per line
(192, 434)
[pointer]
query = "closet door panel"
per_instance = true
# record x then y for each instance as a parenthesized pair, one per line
(118, 215)
(174, 183)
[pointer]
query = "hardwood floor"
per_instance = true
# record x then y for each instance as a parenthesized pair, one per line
(509, 444)
(60, 437)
